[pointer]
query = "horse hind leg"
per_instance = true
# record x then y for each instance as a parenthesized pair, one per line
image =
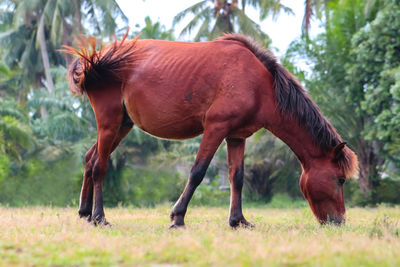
(86, 198)
(110, 134)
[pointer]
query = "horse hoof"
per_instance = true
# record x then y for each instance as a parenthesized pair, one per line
(242, 223)
(246, 224)
(177, 220)
(100, 221)
(176, 226)
(84, 214)
(86, 217)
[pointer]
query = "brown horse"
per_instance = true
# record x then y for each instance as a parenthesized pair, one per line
(224, 89)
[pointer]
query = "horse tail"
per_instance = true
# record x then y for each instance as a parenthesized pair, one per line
(95, 67)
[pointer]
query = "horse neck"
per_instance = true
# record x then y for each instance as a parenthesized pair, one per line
(297, 138)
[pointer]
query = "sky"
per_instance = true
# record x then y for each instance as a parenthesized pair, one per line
(282, 31)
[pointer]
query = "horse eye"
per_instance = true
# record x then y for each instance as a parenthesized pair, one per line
(341, 181)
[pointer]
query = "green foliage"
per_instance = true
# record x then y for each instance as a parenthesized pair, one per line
(211, 195)
(41, 183)
(102, 15)
(16, 136)
(57, 116)
(388, 191)
(375, 78)
(155, 31)
(148, 187)
(270, 167)
(4, 169)
(327, 54)
(213, 18)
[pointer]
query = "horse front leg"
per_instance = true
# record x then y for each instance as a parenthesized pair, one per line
(212, 138)
(86, 198)
(235, 148)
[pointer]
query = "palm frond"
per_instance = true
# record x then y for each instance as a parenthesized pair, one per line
(273, 8)
(195, 9)
(103, 15)
(10, 108)
(16, 136)
(21, 13)
(203, 15)
(248, 27)
(57, 22)
(204, 29)
(4, 70)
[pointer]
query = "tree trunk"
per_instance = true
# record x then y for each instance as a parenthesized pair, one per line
(45, 57)
(369, 162)
(364, 182)
(66, 39)
(77, 16)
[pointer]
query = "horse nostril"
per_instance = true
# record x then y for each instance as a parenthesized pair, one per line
(336, 220)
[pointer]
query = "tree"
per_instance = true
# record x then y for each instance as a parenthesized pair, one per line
(320, 8)
(374, 81)
(215, 17)
(37, 28)
(154, 31)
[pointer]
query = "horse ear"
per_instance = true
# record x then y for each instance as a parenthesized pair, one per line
(338, 150)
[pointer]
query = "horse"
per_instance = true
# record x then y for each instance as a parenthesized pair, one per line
(225, 89)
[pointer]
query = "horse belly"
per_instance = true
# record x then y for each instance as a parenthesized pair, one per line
(163, 117)
(175, 130)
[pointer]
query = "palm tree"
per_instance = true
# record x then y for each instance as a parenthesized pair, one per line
(215, 17)
(15, 133)
(155, 31)
(37, 27)
(315, 7)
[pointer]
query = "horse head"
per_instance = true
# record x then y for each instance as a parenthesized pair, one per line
(323, 180)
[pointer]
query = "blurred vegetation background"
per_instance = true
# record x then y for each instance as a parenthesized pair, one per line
(353, 74)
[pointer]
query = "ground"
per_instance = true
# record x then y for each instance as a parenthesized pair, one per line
(45, 236)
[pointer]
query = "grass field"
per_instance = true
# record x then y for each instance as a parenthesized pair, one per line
(44, 236)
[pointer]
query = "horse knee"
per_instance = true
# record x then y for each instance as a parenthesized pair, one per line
(88, 157)
(99, 170)
(90, 153)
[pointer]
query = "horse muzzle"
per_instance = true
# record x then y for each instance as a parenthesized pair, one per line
(335, 220)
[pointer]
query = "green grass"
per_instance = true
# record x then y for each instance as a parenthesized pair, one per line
(44, 236)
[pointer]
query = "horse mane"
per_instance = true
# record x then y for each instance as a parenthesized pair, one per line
(94, 67)
(292, 99)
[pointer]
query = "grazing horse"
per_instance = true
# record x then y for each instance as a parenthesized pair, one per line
(224, 89)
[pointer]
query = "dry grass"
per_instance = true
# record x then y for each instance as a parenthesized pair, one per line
(44, 236)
